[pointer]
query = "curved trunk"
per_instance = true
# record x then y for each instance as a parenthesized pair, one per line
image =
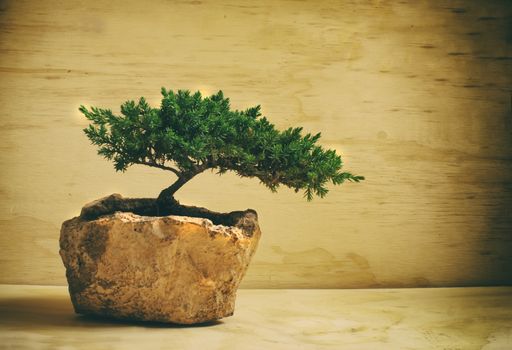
(169, 191)
(165, 200)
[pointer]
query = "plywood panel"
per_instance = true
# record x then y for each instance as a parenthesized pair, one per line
(415, 95)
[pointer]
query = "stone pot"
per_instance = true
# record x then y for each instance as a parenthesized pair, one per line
(177, 269)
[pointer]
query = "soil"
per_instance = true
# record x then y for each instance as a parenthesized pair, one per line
(152, 207)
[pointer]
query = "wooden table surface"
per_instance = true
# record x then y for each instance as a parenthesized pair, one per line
(41, 317)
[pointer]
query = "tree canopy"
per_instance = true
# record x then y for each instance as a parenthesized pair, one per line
(190, 133)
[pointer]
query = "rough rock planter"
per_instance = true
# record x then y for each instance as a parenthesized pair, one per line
(156, 259)
(158, 268)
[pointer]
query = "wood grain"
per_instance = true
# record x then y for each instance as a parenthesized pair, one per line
(478, 318)
(415, 95)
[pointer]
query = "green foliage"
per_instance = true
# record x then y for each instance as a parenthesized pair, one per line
(189, 134)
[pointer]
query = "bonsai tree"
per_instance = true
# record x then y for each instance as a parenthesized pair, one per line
(190, 133)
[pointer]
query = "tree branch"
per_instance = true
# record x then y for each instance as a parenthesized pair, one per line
(160, 166)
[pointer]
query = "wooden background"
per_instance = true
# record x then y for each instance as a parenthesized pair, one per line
(414, 94)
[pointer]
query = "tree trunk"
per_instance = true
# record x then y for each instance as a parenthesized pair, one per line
(168, 193)
(165, 201)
